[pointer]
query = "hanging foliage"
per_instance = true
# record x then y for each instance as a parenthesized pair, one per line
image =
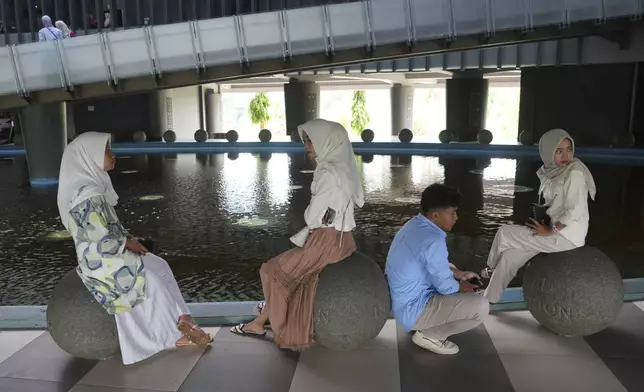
(359, 115)
(258, 110)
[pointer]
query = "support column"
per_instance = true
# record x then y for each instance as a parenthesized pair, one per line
(466, 104)
(402, 108)
(44, 130)
(302, 103)
(214, 118)
(160, 111)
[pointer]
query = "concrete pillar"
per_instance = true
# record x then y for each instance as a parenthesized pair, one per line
(402, 108)
(160, 113)
(71, 125)
(44, 129)
(302, 103)
(214, 117)
(466, 104)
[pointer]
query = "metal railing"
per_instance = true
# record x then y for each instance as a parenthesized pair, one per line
(20, 20)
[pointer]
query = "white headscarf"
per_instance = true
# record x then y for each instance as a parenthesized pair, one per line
(550, 172)
(82, 175)
(334, 153)
(62, 26)
(46, 21)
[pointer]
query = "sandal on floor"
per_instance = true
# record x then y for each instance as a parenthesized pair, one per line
(195, 334)
(239, 330)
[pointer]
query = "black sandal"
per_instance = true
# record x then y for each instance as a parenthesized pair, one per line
(239, 330)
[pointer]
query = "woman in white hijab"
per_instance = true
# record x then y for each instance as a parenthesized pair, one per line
(65, 30)
(566, 184)
(137, 287)
(290, 280)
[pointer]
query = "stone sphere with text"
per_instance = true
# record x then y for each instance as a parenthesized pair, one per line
(574, 293)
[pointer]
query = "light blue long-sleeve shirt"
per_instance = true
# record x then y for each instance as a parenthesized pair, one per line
(418, 268)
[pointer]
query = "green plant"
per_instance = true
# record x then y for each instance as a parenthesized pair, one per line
(258, 110)
(359, 115)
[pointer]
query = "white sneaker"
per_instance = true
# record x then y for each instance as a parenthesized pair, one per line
(442, 347)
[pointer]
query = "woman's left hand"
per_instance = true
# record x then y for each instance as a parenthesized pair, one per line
(540, 229)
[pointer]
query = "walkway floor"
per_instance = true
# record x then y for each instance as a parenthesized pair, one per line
(510, 352)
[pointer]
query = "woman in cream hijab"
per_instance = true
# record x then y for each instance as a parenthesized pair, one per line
(137, 287)
(290, 279)
(566, 184)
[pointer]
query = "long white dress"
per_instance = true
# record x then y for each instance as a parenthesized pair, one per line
(152, 326)
(140, 291)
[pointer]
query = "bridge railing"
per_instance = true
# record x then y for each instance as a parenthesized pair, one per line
(20, 19)
(157, 50)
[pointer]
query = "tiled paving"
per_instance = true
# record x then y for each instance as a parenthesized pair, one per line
(510, 352)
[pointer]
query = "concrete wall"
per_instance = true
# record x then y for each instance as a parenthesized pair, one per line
(126, 114)
(593, 102)
(121, 116)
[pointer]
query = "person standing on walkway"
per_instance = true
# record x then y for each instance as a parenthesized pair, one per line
(565, 186)
(428, 294)
(48, 31)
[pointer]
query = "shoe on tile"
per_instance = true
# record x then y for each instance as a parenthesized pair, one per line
(442, 347)
(486, 273)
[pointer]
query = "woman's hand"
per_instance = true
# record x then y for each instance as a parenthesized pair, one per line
(539, 228)
(135, 246)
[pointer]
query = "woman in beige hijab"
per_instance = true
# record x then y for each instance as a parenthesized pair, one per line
(566, 184)
(290, 279)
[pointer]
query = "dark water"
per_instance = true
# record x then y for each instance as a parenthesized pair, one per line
(195, 225)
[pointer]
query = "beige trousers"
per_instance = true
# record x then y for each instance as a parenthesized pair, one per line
(447, 315)
(514, 246)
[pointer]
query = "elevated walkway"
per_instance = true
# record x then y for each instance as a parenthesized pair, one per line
(219, 49)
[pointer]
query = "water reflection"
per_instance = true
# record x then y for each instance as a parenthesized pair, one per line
(195, 224)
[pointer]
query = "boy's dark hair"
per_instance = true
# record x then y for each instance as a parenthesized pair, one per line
(439, 196)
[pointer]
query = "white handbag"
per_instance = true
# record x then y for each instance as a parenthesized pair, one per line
(299, 239)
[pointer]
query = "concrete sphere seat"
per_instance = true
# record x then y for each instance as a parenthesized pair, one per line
(201, 136)
(265, 136)
(351, 303)
(169, 136)
(484, 136)
(367, 135)
(139, 137)
(232, 136)
(78, 323)
(575, 293)
(526, 138)
(446, 136)
(405, 135)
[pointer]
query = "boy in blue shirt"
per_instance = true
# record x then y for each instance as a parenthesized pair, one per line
(428, 294)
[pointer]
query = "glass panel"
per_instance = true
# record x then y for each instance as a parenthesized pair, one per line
(262, 35)
(348, 26)
(306, 30)
(388, 20)
(223, 49)
(129, 53)
(38, 65)
(84, 59)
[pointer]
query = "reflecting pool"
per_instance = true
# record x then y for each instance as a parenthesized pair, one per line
(216, 218)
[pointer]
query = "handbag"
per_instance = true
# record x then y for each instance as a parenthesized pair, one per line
(539, 213)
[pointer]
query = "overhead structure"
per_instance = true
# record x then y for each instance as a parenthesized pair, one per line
(157, 57)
